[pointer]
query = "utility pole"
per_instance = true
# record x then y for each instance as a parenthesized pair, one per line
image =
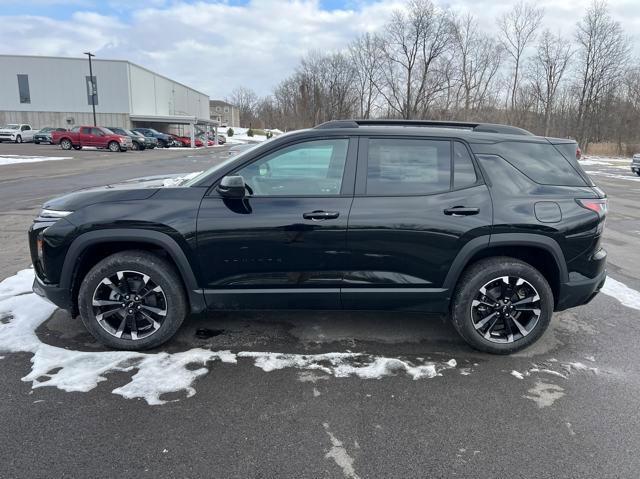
(93, 88)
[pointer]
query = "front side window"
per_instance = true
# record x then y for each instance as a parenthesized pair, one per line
(399, 166)
(25, 128)
(23, 88)
(312, 168)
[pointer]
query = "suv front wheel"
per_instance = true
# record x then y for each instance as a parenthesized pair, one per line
(502, 305)
(132, 300)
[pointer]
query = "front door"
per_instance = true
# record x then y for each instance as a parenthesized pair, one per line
(412, 213)
(283, 245)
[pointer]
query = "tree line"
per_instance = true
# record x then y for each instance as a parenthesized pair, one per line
(429, 63)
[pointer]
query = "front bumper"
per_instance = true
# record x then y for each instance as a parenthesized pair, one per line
(580, 292)
(58, 296)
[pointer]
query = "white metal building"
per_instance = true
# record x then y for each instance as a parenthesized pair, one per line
(56, 92)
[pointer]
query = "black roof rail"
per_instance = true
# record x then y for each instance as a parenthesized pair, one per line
(479, 127)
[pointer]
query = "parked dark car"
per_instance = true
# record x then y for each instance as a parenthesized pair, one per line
(149, 141)
(489, 223)
(44, 135)
(137, 141)
(164, 140)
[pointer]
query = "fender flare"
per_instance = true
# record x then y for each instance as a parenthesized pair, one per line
(163, 240)
(504, 239)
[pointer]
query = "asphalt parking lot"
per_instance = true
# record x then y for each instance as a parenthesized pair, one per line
(260, 406)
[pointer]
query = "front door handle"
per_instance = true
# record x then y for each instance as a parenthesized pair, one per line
(321, 215)
(461, 211)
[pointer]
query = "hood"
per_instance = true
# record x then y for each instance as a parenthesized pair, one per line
(130, 190)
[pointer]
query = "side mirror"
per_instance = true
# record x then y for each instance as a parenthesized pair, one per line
(232, 187)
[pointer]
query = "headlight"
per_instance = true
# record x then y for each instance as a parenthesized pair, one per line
(54, 213)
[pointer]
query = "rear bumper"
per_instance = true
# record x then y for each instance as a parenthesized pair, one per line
(579, 292)
(58, 296)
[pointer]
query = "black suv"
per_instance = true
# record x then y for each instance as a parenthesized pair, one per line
(164, 140)
(489, 223)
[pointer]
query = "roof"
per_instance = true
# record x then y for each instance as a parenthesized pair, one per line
(220, 103)
(462, 125)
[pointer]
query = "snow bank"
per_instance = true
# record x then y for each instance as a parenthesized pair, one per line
(16, 159)
(22, 312)
(627, 296)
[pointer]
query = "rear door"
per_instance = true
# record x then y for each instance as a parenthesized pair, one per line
(417, 202)
(86, 137)
(284, 244)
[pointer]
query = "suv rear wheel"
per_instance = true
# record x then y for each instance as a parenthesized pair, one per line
(501, 305)
(132, 300)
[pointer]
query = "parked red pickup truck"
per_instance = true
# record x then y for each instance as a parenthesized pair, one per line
(95, 136)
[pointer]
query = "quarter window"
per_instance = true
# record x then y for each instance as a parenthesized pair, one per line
(408, 166)
(464, 174)
(313, 168)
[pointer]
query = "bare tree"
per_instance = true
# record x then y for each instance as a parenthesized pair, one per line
(603, 51)
(517, 29)
(479, 59)
(548, 67)
(414, 42)
(366, 55)
(246, 101)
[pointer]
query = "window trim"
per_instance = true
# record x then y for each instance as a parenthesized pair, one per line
(348, 177)
(363, 161)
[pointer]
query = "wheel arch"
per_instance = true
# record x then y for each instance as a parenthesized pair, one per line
(541, 252)
(89, 248)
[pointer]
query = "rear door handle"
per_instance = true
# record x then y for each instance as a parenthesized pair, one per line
(461, 211)
(321, 215)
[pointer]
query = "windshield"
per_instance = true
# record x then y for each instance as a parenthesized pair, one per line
(11, 127)
(46, 130)
(105, 130)
(204, 174)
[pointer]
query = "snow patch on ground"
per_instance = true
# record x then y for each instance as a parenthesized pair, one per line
(22, 312)
(620, 291)
(16, 159)
(343, 365)
(340, 455)
(517, 374)
(544, 394)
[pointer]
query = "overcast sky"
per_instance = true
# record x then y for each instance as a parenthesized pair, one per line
(215, 46)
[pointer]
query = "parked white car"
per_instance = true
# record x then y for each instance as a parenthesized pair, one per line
(17, 132)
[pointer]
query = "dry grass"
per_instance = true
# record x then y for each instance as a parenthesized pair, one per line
(612, 149)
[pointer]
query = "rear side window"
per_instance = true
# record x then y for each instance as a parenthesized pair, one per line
(541, 162)
(464, 174)
(408, 166)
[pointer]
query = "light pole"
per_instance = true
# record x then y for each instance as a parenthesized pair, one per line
(93, 88)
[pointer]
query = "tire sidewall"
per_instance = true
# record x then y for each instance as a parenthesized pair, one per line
(160, 272)
(112, 148)
(66, 144)
(478, 277)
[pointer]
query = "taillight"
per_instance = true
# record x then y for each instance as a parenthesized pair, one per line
(597, 205)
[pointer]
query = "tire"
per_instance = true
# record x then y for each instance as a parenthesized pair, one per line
(66, 144)
(114, 147)
(638, 173)
(37, 142)
(132, 264)
(162, 144)
(18, 139)
(470, 307)
(77, 147)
